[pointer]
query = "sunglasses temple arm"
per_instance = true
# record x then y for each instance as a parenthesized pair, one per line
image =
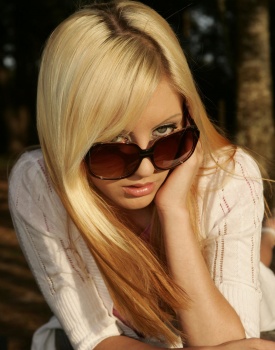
(188, 117)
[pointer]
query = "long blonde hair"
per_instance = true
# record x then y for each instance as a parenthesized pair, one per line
(98, 71)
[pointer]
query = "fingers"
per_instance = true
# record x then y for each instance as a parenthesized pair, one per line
(177, 185)
(248, 344)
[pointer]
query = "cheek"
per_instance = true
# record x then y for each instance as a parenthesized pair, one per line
(107, 187)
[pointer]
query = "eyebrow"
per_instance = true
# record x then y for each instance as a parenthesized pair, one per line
(171, 118)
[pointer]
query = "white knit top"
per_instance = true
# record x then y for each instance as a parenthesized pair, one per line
(230, 210)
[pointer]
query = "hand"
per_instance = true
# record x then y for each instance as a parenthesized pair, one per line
(244, 344)
(173, 193)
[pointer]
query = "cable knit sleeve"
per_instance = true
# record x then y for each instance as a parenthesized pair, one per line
(232, 209)
(68, 277)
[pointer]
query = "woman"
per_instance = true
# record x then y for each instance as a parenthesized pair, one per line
(135, 195)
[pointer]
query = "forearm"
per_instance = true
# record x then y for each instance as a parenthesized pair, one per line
(124, 343)
(210, 320)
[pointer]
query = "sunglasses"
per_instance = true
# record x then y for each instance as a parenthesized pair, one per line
(115, 161)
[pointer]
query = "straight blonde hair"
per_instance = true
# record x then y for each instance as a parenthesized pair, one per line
(98, 71)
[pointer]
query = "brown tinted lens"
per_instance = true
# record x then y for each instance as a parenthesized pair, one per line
(112, 161)
(174, 149)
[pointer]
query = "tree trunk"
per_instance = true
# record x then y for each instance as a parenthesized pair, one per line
(254, 90)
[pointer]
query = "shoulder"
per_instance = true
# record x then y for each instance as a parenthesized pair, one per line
(31, 190)
(230, 201)
(245, 165)
(229, 168)
(29, 176)
(28, 170)
(232, 194)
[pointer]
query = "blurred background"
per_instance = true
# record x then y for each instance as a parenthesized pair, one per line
(230, 47)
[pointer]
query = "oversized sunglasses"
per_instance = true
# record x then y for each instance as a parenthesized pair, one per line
(114, 161)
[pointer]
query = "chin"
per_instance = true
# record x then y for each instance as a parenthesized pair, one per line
(136, 203)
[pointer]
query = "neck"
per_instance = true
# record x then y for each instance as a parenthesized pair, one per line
(138, 219)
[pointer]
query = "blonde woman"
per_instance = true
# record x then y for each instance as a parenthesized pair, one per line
(141, 223)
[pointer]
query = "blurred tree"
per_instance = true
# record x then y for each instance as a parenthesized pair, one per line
(24, 27)
(254, 79)
(207, 31)
(206, 39)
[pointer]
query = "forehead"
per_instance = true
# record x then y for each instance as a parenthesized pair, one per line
(164, 105)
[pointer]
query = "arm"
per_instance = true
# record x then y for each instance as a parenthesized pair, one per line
(71, 285)
(125, 343)
(232, 243)
(210, 319)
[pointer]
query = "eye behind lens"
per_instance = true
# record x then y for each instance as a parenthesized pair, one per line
(113, 160)
(175, 149)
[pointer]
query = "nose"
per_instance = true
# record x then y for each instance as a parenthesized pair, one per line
(145, 169)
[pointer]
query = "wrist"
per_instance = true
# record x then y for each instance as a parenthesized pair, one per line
(173, 213)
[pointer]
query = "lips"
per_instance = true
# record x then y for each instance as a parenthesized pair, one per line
(139, 190)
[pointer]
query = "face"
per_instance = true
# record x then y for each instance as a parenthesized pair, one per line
(162, 116)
